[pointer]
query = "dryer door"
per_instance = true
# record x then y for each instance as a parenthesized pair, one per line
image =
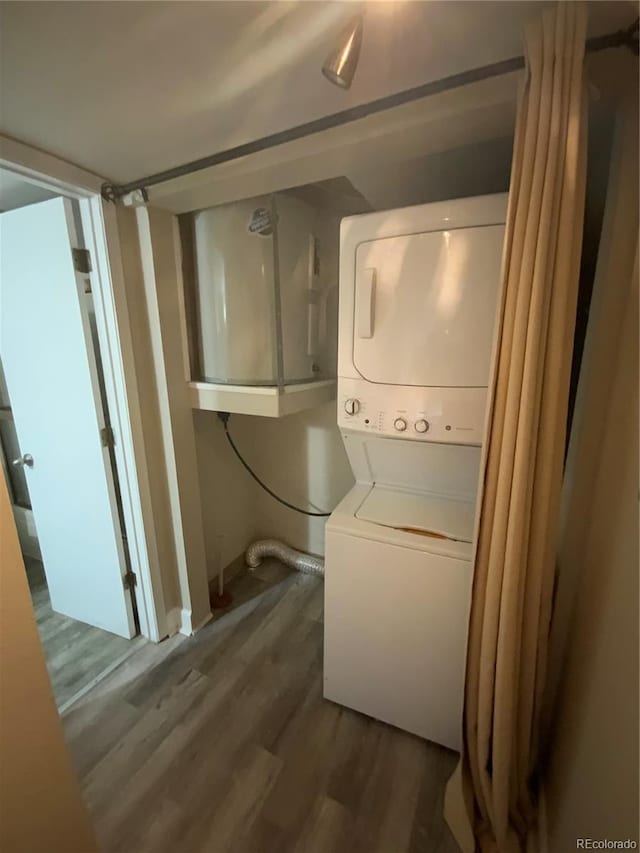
(425, 307)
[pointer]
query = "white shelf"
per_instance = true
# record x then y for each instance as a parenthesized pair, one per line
(266, 401)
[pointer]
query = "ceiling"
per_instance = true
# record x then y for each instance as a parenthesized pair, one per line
(126, 89)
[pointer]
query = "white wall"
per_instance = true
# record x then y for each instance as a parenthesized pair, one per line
(477, 169)
(162, 275)
(592, 781)
(149, 405)
(591, 725)
(229, 496)
(302, 458)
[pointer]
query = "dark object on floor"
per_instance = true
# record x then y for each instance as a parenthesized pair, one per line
(219, 600)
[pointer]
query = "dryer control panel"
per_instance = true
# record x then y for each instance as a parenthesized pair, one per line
(451, 415)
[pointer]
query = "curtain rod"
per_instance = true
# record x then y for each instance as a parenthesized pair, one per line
(112, 192)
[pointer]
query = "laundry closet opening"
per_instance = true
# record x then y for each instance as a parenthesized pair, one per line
(251, 343)
(260, 242)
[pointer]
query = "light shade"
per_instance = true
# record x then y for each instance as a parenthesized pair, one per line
(340, 65)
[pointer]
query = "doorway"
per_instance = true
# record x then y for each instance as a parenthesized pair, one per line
(57, 442)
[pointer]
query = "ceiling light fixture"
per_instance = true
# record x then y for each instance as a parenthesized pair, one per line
(340, 65)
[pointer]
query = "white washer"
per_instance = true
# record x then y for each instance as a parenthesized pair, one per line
(418, 299)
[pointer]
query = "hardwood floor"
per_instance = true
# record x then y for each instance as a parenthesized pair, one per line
(223, 742)
(77, 654)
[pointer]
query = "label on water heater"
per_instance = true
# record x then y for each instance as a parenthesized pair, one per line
(260, 222)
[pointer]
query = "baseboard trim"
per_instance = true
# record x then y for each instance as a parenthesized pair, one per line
(174, 621)
(184, 623)
(180, 621)
(207, 618)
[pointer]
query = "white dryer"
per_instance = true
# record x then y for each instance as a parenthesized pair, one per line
(418, 304)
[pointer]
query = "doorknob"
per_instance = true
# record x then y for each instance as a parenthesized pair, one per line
(27, 460)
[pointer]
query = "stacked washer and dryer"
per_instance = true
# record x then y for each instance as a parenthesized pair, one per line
(419, 291)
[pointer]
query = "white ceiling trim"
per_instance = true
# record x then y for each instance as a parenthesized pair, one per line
(44, 169)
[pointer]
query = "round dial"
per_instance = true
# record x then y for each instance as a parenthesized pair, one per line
(352, 406)
(400, 424)
(421, 425)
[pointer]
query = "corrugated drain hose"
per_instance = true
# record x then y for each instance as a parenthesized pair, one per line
(305, 563)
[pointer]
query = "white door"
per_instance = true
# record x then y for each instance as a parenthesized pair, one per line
(430, 302)
(51, 375)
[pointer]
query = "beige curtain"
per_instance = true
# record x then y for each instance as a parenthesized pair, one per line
(520, 505)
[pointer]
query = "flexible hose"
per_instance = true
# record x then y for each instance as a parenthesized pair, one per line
(224, 417)
(304, 563)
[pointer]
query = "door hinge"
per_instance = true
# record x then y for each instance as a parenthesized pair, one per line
(81, 260)
(129, 580)
(106, 437)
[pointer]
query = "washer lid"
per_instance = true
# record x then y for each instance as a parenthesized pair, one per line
(422, 467)
(419, 512)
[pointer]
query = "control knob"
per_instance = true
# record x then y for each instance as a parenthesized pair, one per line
(400, 424)
(352, 406)
(421, 425)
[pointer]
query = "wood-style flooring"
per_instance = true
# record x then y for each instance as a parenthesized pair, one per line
(223, 743)
(77, 654)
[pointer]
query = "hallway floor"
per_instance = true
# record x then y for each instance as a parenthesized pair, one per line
(77, 654)
(223, 742)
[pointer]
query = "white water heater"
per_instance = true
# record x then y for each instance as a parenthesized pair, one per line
(266, 281)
